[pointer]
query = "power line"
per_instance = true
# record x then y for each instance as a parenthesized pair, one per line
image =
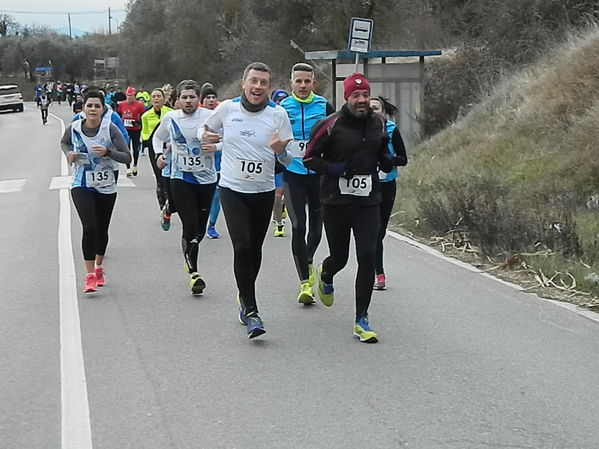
(5, 11)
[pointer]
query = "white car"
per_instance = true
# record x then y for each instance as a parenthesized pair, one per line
(11, 97)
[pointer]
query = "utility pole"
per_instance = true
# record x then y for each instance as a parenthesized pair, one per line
(70, 31)
(109, 19)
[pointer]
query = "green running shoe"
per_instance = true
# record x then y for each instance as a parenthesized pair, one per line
(305, 296)
(197, 284)
(325, 291)
(311, 274)
(363, 332)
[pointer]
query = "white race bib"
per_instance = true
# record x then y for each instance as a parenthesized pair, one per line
(358, 185)
(99, 178)
(128, 123)
(297, 148)
(249, 170)
(192, 163)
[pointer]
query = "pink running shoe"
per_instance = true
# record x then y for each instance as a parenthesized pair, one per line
(90, 283)
(100, 277)
(379, 282)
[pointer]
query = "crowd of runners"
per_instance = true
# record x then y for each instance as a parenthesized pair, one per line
(261, 156)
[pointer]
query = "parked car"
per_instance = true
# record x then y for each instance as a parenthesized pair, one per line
(11, 97)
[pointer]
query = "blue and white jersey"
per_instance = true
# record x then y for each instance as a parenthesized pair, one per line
(386, 177)
(248, 162)
(187, 160)
(302, 117)
(93, 172)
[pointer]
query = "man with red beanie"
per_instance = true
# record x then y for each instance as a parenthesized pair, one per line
(130, 111)
(347, 149)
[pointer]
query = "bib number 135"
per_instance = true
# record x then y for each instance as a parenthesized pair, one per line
(99, 178)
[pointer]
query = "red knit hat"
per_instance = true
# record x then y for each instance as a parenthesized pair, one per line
(130, 90)
(355, 81)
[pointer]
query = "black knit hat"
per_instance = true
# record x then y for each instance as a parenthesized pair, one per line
(207, 89)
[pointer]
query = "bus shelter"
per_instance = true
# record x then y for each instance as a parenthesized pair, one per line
(396, 75)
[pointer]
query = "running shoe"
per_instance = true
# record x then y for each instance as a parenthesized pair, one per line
(254, 325)
(165, 219)
(325, 291)
(305, 296)
(100, 276)
(129, 173)
(379, 282)
(279, 230)
(243, 319)
(134, 170)
(211, 233)
(311, 274)
(363, 332)
(197, 284)
(90, 283)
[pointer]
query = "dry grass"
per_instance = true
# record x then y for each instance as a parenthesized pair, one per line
(516, 174)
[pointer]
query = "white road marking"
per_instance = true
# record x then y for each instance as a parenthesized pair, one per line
(75, 423)
(12, 185)
(433, 252)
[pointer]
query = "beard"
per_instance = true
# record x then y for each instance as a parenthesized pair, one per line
(359, 114)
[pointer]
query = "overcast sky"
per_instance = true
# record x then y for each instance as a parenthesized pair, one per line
(85, 22)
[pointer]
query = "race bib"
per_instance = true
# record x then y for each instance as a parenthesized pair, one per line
(192, 163)
(99, 178)
(129, 123)
(297, 148)
(358, 185)
(249, 170)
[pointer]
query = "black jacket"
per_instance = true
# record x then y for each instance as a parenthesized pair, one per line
(343, 145)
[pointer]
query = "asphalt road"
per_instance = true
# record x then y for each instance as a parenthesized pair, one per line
(464, 362)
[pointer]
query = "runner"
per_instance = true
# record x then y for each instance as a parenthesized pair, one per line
(193, 173)
(278, 208)
(397, 150)
(255, 134)
(94, 145)
(44, 103)
(209, 100)
(130, 111)
(347, 149)
(301, 186)
(149, 123)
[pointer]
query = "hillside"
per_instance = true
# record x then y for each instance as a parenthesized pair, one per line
(518, 177)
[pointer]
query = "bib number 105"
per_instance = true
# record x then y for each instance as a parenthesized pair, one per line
(249, 170)
(358, 185)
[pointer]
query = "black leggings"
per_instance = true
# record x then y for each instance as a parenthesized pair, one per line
(301, 190)
(388, 190)
(94, 210)
(134, 136)
(364, 221)
(44, 114)
(161, 189)
(248, 217)
(194, 201)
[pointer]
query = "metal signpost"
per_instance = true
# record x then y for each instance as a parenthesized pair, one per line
(360, 35)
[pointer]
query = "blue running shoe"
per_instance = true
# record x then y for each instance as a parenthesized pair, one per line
(254, 325)
(243, 319)
(363, 332)
(211, 233)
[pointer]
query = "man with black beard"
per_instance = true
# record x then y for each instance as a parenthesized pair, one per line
(347, 149)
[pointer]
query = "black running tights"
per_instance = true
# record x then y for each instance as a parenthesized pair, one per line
(248, 218)
(299, 191)
(161, 189)
(388, 190)
(134, 136)
(94, 210)
(364, 221)
(193, 205)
